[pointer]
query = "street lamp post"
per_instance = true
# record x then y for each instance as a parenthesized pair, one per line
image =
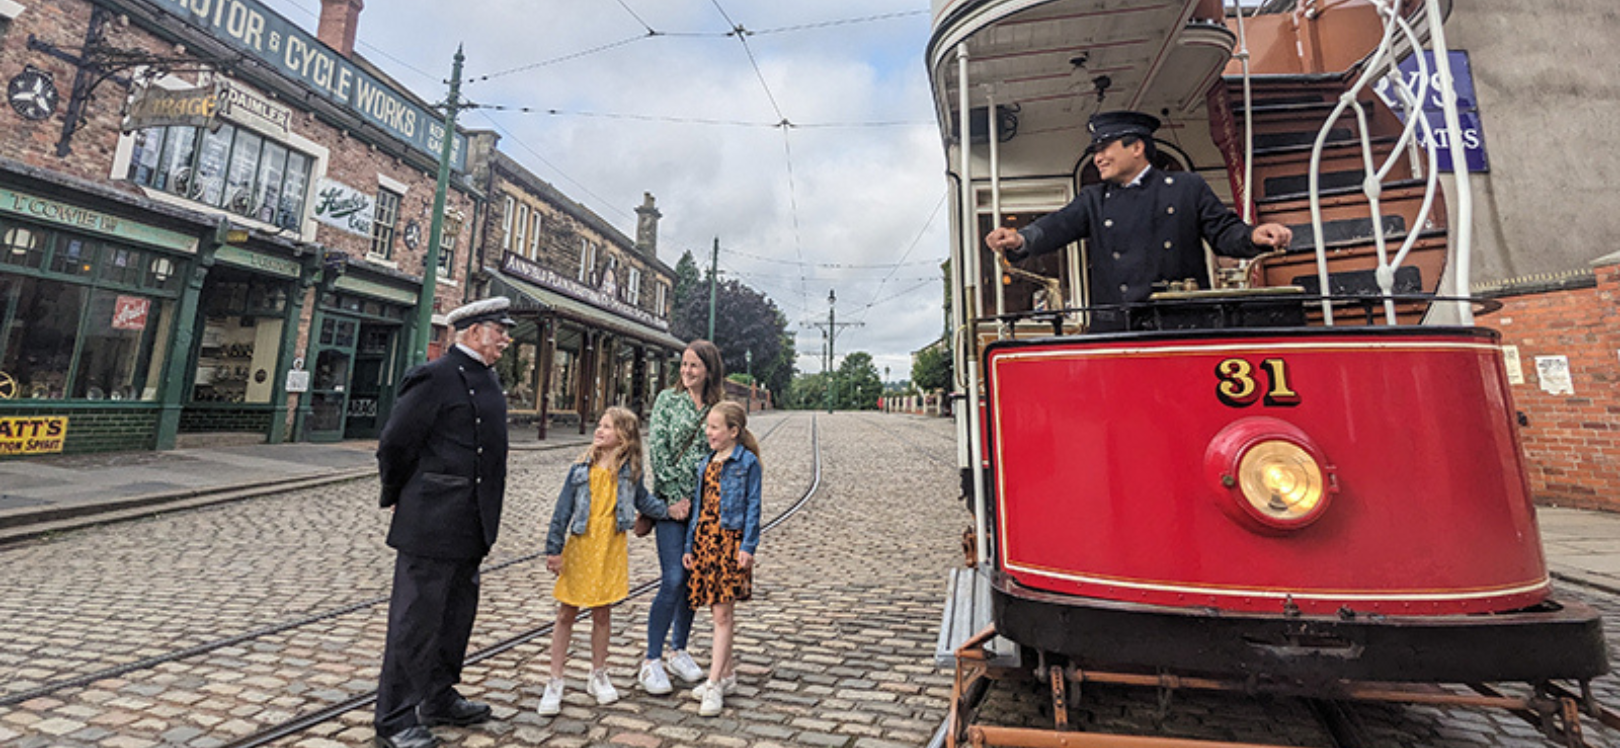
(748, 357)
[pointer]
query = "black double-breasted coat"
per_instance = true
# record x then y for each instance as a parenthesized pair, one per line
(442, 459)
(1143, 234)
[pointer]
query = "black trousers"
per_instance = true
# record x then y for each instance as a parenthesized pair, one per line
(430, 619)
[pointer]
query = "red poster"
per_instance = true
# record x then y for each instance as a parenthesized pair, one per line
(129, 313)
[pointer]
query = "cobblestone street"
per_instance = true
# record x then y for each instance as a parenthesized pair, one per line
(276, 607)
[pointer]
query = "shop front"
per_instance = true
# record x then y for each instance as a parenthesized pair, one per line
(359, 345)
(246, 323)
(576, 358)
(88, 317)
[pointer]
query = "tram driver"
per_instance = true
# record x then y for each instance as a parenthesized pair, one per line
(1145, 226)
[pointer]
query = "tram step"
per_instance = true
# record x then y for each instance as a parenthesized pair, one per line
(967, 612)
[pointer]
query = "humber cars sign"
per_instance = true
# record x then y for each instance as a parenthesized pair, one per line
(251, 28)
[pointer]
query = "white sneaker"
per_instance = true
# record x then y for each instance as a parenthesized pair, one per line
(652, 678)
(713, 701)
(551, 700)
(681, 664)
(601, 688)
(728, 686)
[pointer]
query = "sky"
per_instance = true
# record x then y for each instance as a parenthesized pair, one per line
(655, 96)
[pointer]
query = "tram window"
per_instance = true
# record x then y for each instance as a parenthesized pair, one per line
(1021, 294)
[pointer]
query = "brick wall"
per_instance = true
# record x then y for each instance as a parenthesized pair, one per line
(111, 429)
(197, 419)
(1571, 441)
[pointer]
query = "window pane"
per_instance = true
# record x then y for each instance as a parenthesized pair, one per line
(382, 224)
(21, 245)
(211, 164)
(268, 192)
(175, 175)
(38, 336)
(118, 341)
(123, 266)
(290, 211)
(143, 163)
(239, 180)
(73, 255)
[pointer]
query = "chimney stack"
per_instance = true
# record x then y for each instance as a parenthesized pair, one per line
(339, 21)
(647, 226)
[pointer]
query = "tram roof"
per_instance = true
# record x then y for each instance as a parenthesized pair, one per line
(1050, 56)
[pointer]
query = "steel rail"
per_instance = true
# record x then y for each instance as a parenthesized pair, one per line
(147, 663)
(304, 722)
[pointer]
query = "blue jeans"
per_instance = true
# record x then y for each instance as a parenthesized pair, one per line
(670, 609)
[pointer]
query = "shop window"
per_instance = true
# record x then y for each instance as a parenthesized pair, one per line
(229, 168)
(40, 334)
(74, 255)
(383, 224)
(447, 247)
(121, 354)
(22, 246)
(241, 339)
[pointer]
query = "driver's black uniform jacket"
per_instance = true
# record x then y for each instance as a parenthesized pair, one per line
(1141, 234)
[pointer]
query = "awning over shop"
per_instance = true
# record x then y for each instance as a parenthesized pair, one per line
(527, 297)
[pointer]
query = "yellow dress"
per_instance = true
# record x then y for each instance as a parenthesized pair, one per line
(596, 565)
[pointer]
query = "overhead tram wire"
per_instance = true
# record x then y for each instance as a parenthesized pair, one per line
(910, 249)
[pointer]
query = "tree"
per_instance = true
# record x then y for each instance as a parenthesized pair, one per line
(746, 321)
(807, 392)
(687, 280)
(857, 385)
(931, 370)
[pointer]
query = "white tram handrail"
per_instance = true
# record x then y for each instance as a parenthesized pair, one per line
(1384, 64)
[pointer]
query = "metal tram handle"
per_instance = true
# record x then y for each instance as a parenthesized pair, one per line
(1383, 62)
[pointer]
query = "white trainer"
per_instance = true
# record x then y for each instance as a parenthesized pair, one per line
(599, 687)
(652, 678)
(713, 701)
(551, 700)
(728, 686)
(681, 664)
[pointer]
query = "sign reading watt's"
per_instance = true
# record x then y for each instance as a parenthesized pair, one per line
(251, 28)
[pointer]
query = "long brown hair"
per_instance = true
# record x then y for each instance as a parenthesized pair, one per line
(628, 428)
(737, 417)
(714, 388)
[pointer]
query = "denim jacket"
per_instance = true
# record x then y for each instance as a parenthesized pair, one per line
(739, 497)
(573, 509)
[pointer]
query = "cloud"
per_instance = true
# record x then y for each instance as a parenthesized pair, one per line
(828, 197)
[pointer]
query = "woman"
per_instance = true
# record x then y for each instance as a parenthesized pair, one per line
(676, 446)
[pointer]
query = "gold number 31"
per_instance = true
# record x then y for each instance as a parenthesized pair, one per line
(1239, 387)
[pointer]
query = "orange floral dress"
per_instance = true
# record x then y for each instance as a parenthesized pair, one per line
(716, 577)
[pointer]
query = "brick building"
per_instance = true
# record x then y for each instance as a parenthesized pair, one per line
(258, 218)
(594, 304)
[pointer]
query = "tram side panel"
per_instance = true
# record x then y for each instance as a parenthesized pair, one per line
(1117, 461)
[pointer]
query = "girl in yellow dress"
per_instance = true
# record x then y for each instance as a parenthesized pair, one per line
(595, 509)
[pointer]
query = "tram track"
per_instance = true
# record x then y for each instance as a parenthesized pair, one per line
(148, 663)
(304, 722)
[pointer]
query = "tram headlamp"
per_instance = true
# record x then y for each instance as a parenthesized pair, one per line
(1269, 475)
(1281, 480)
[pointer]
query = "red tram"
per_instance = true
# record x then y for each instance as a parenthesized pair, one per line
(1307, 480)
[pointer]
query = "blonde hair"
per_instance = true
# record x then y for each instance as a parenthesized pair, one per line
(737, 417)
(628, 428)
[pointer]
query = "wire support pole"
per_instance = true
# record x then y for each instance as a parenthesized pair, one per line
(430, 263)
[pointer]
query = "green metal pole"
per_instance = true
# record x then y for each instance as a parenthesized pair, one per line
(714, 284)
(832, 336)
(430, 270)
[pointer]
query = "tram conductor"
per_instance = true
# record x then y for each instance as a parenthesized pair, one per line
(1144, 225)
(442, 459)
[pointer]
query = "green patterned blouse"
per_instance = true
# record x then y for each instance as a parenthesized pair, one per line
(674, 417)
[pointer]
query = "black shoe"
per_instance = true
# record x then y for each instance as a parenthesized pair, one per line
(459, 712)
(415, 736)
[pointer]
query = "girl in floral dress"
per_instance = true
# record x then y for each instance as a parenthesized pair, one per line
(721, 542)
(597, 506)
